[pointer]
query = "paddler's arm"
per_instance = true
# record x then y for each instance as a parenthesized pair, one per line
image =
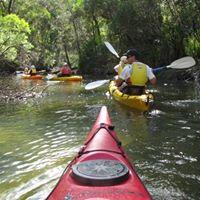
(151, 76)
(153, 81)
(124, 76)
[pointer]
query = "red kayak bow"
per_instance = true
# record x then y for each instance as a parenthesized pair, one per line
(101, 170)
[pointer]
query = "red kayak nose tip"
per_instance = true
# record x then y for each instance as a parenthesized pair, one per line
(103, 116)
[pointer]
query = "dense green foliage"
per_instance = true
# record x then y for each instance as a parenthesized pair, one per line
(48, 32)
(13, 37)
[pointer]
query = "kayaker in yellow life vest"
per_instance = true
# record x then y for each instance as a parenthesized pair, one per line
(33, 71)
(136, 74)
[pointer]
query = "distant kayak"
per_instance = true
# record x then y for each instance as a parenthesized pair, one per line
(101, 170)
(67, 78)
(25, 76)
(139, 102)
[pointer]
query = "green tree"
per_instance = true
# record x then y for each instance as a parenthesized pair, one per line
(74, 31)
(137, 24)
(14, 34)
(180, 28)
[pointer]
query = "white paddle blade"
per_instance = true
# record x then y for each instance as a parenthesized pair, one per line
(111, 49)
(182, 63)
(49, 76)
(96, 84)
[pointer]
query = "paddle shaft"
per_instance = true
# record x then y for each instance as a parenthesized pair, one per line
(158, 69)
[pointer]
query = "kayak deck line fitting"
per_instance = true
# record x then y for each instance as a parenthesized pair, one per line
(109, 128)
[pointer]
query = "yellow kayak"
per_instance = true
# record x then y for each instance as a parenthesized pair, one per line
(67, 78)
(139, 102)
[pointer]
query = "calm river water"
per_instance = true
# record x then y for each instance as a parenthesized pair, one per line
(38, 138)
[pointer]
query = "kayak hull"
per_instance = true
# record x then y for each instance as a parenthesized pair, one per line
(101, 146)
(139, 102)
(67, 78)
(25, 76)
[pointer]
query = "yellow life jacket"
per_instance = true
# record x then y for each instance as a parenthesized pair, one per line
(120, 69)
(139, 74)
(33, 71)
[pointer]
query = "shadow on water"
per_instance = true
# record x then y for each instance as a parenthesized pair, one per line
(39, 136)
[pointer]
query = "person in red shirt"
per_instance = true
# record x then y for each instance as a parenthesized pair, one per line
(65, 70)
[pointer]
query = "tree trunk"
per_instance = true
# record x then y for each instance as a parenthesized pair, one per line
(10, 4)
(77, 37)
(75, 29)
(66, 54)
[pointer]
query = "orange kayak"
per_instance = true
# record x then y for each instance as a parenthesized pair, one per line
(38, 76)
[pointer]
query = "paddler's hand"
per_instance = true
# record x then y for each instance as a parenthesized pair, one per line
(123, 60)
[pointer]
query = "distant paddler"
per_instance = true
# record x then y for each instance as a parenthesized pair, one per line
(31, 74)
(32, 71)
(65, 70)
(65, 74)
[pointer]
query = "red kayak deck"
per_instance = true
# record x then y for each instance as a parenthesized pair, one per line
(101, 170)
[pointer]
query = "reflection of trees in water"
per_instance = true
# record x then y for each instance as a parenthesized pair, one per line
(10, 91)
(197, 83)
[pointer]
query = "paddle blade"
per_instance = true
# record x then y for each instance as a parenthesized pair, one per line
(182, 63)
(111, 49)
(96, 84)
(49, 76)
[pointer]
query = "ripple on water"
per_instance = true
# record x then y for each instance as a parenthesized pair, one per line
(182, 121)
(39, 182)
(166, 192)
(158, 186)
(63, 111)
(8, 153)
(156, 113)
(186, 127)
(49, 133)
(183, 103)
(36, 141)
